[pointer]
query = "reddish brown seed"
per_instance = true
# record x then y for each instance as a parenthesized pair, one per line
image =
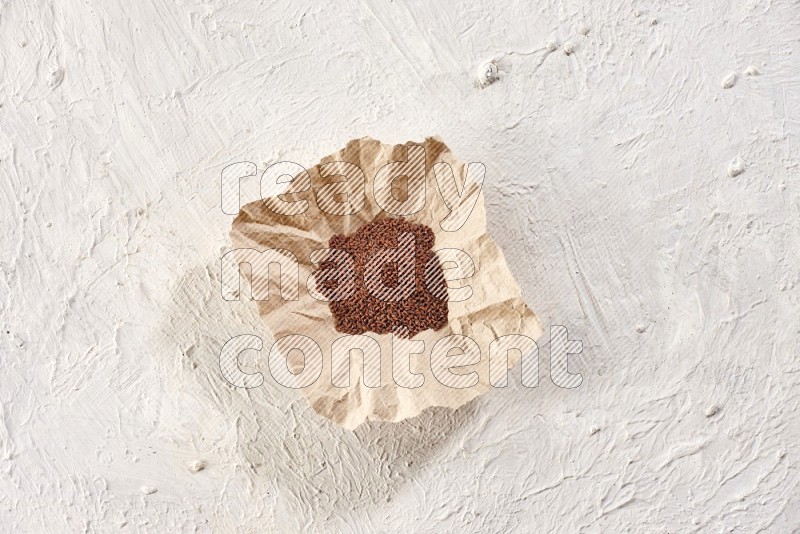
(362, 312)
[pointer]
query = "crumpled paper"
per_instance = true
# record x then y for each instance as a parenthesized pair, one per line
(494, 308)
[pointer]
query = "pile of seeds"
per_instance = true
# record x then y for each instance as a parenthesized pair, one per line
(362, 311)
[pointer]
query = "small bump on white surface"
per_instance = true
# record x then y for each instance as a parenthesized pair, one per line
(729, 81)
(487, 74)
(55, 77)
(197, 466)
(752, 70)
(736, 167)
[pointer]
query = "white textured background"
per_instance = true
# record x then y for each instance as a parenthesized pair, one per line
(607, 187)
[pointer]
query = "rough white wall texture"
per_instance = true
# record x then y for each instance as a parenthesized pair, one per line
(611, 137)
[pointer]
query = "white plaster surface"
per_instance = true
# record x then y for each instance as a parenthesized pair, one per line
(608, 188)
